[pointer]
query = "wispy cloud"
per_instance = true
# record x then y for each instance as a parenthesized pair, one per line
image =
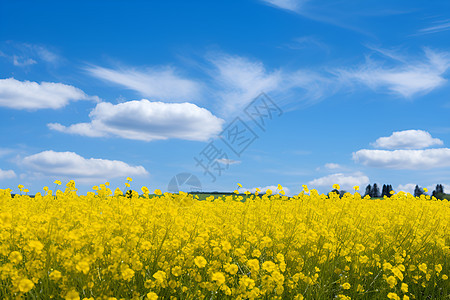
(226, 161)
(238, 80)
(292, 5)
(157, 83)
(146, 121)
(26, 54)
(403, 78)
(439, 26)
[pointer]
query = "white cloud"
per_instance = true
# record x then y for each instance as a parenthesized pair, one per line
(407, 78)
(163, 84)
(147, 121)
(404, 159)
(73, 166)
(239, 80)
(22, 62)
(346, 181)
(30, 95)
(293, 5)
(273, 188)
(332, 166)
(407, 139)
(441, 26)
(7, 174)
(407, 188)
(24, 54)
(226, 161)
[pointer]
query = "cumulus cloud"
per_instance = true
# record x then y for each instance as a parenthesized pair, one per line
(346, 181)
(406, 78)
(7, 174)
(407, 139)
(273, 188)
(162, 83)
(73, 166)
(404, 159)
(30, 95)
(146, 121)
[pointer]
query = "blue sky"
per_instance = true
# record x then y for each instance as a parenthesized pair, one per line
(100, 90)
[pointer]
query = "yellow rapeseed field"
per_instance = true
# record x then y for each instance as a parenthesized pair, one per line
(105, 245)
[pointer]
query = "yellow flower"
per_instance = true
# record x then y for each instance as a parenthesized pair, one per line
(393, 296)
(423, 267)
(253, 264)
(36, 245)
(346, 286)
(356, 188)
(438, 268)
(404, 288)
(200, 261)
(444, 277)
(336, 186)
(55, 275)
(152, 296)
(268, 192)
(145, 190)
(391, 281)
(269, 266)
(177, 271)
(26, 285)
(279, 187)
(231, 268)
(15, 257)
(218, 277)
(127, 274)
(129, 179)
(157, 192)
(20, 187)
(127, 184)
(72, 295)
(397, 273)
(239, 185)
(83, 266)
(57, 182)
(160, 276)
(425, 190)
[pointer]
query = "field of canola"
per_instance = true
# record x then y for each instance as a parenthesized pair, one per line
(104, 245)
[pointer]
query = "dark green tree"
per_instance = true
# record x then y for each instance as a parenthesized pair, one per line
(375, 191)
(418, 191)
(368, 191)
(384, 191)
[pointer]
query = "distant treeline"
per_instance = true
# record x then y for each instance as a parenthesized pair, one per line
(374, 191)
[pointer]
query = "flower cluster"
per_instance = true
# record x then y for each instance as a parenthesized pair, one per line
(107, 245)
